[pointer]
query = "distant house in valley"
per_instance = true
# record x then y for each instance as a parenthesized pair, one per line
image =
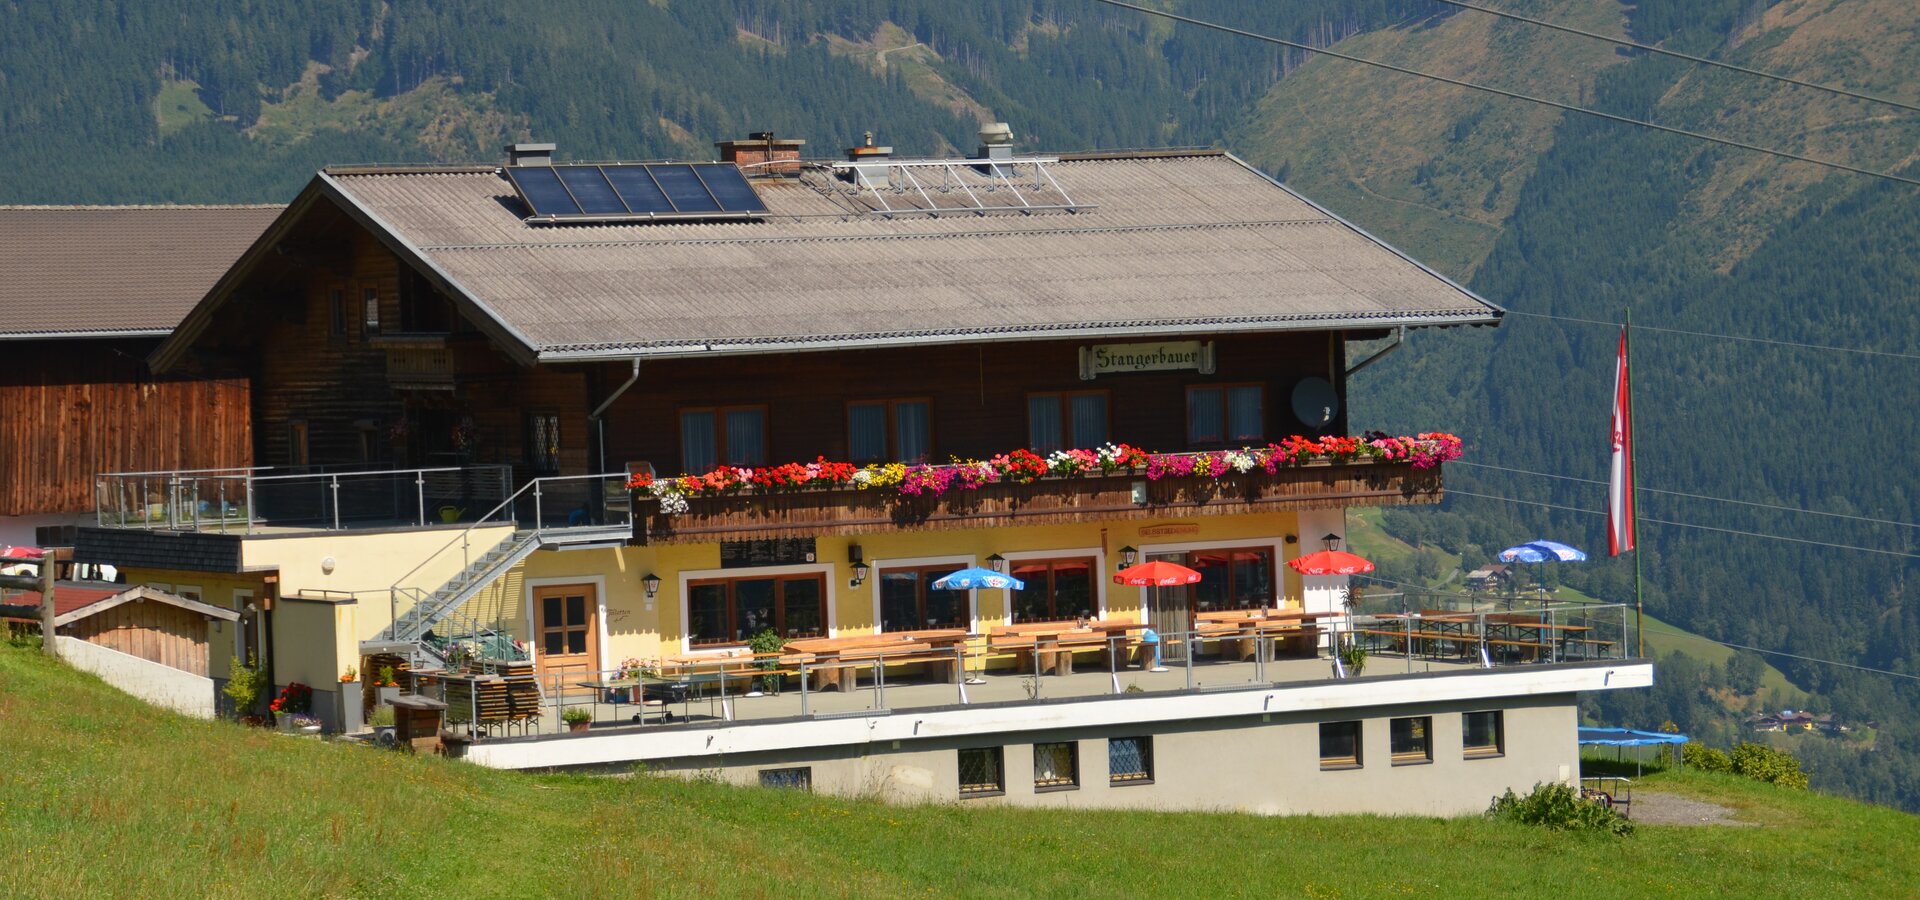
(1489, 578)
(88, 293)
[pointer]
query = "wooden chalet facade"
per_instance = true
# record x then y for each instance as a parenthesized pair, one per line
(89, 293)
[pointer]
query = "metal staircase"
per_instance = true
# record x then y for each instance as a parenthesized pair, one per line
(424, 612)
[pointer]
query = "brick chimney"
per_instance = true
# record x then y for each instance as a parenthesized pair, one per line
(762, 154)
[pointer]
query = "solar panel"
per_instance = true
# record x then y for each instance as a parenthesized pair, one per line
(590, 188)
(667, 191)
(542, 190)
(730, 187)
(683, 187)
(637, 188)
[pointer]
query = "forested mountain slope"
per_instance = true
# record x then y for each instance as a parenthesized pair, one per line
(1690, 237)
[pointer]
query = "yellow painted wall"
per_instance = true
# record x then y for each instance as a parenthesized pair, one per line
(308, 645)
(634, 628)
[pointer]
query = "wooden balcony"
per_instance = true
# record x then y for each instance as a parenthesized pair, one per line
(813, 512)
(423, 363)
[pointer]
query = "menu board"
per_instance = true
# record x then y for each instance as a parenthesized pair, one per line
(778, 552)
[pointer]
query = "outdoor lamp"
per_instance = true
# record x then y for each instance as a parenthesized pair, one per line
(860, 570)
(1331, 540)
(651, 584)
(997, 563)
(1128, 555)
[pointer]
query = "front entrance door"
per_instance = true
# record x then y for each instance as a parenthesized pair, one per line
(567, 632)
(1170, 610)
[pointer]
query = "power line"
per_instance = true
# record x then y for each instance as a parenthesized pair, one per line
(1724, 337)
(1648, 490)
(1735, 531)
(1567, 107)
(1671, 631)
(1650, 48)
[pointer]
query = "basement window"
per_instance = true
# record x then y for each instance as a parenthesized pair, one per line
(1411, 740)
(982, 773)
(1056, 766)
(1340, 745)
(1483, 734)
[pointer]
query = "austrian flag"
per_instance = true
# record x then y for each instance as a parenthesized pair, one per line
(1620, 480)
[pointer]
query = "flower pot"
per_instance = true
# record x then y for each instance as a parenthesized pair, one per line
(351, 716)
(387, 694)
(283, 721)
(578, 726)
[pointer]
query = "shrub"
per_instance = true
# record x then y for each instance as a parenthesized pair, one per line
(1763, 763)
(1558, 807)
(1705, 758)
(245, 684)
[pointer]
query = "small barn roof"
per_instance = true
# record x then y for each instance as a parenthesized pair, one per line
(73, 601)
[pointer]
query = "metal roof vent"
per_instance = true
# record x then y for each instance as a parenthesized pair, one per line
(529, 154)
(996, 141)
(873, 176)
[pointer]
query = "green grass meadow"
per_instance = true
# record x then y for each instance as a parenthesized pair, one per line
(102, 795)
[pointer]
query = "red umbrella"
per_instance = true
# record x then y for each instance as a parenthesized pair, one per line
(21, 553)
(1330, 562)
(1156, 574)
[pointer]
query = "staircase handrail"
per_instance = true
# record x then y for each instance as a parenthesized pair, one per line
(465, 536)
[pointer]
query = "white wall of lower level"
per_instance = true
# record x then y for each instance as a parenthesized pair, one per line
(163, 686)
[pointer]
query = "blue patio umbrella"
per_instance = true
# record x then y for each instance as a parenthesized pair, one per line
(976, 577)
(1542, 551)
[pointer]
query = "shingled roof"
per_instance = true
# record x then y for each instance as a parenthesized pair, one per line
(113, 271)
(1153, 242)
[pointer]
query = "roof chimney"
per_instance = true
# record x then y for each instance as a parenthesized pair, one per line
(763, 154)
(996, 141)
(529, 154)
(875, 175)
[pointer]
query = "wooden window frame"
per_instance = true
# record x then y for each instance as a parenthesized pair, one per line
(733, 608)
(998, 787)
(1144, 776)
(1273, 580)
(1421, 756)
(1226, 438)
(1064, 400)
(1053, 609)
(339, 317)
(1484, 751)
(369, 311)
(920, 591)
(1069, 782)
(892, 435)
(1356, 761)
(720, 433)
(541, 628)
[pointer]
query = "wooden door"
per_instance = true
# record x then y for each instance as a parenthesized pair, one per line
(567, 631)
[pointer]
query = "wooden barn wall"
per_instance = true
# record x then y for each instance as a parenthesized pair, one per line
(72, 409)
(153, 631)
(978, 394)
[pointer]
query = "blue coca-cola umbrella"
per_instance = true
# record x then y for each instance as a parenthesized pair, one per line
(976, 577)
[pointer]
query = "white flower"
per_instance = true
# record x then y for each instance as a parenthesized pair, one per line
(1241, 462)
(673, 504)
(862, 477)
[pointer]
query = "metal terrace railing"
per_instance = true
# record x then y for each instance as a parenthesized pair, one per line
(251, 500)
(776, 687)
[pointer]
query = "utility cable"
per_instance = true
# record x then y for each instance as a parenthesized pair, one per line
(1437, 592)
(1724, 337)
(1649, 521)
(1515, 95)
(1650, 48)
(1648, 490)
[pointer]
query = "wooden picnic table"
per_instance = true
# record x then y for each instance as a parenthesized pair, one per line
(1526, 632)
(835, 662)
(1051, 645)
(1295, 630)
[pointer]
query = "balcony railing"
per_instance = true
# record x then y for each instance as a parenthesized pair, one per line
(1090, 497)
(247, 501)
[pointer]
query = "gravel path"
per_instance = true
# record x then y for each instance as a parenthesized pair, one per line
(1650, 808)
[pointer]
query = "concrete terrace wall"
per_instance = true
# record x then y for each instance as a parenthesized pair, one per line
(159, 685)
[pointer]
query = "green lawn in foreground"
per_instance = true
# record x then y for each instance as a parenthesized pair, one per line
(102, 795)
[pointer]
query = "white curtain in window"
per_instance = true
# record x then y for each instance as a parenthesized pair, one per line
(867, 431)
(1089, 420)
(1043, 423)
(1246, 416)
(697, 452)
(746, 437)
(910, 431)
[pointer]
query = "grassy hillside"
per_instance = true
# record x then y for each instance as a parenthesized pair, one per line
(104, 795)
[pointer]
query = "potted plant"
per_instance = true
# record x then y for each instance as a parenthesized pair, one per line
(245, 683)
(382, 722)
(305, 724)
(386, 685)
(765, 643)
(578, 718)
(1353, 656)
(295, 700)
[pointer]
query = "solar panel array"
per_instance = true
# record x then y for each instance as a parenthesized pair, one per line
(677, 191)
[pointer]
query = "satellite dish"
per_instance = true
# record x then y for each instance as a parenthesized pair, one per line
(1315, 403)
